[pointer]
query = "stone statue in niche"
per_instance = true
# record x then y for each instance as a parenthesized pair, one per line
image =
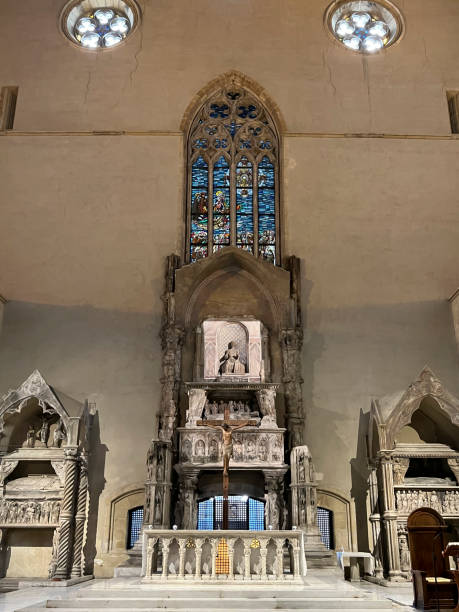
(230, 362)
(59, 434)
(405, 561)
(158, 509)
(44, 432)
(30, 442)
(196, 405)
(267, 402)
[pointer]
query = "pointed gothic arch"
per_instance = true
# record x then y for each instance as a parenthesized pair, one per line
(389, 415)
(232, 171)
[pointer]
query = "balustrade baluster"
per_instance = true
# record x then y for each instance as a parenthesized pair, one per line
(296, 558)
(199, 543)
(231, 543)
(182, 551)
(263, 554)
(247, 550)
(279, 559)
(165, 548)
(214, 544)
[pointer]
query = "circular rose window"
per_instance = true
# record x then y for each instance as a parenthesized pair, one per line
(364, 26)
(94, 26)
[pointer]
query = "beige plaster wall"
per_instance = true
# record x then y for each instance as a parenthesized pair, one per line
(454, 301)
(110, 358)
(148, 83)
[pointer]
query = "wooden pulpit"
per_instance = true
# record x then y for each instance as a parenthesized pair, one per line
(433, 583)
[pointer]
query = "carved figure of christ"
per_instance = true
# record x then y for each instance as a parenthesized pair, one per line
(227, 446)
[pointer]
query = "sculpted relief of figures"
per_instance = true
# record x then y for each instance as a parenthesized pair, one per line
(39, 437)
(13, 512)
(204, 447)
(444, 502)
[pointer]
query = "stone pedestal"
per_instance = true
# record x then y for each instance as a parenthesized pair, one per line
(304, 507)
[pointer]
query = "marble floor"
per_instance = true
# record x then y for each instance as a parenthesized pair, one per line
(326, 580)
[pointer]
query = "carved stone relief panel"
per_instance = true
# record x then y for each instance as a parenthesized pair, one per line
(27, 512)
(201, 446)
(444, 501)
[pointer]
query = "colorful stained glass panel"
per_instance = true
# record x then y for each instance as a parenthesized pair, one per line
(265, 173)
(268, 253)
(221, 202)
(198, 252)
(199, 207)
(267, 230)
(244, 203)
(266, 210)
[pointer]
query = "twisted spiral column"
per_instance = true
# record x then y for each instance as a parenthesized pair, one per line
(80, 520)
(66, 522)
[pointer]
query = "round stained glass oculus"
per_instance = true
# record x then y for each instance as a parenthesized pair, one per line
(92, 26)
(363, 25)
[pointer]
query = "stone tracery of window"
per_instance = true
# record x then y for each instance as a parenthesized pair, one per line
(233, 165)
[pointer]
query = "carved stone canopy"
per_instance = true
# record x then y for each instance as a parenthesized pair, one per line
(390, 414)
(68, 413)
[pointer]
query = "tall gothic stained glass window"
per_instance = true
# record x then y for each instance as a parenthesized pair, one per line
(233, 177)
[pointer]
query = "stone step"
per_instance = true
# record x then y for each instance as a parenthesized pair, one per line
(217, 593)
(187, 603)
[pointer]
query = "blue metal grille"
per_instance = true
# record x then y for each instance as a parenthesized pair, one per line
(256, 514)
(325, 523)
(135, 525)
(206, 514)
(243, 513)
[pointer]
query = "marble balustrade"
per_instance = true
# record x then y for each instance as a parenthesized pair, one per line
(192, 555)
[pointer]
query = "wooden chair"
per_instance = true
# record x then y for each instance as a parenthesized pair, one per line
(433, 584)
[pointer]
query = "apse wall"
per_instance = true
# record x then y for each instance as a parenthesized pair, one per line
(147, 83)
(111, 359)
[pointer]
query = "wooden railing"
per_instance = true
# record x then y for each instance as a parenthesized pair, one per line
(193, 555)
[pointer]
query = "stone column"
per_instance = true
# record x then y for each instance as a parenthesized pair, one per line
(291, 342)
(274, 498)
(67, 515)
(188, 484)
(375, 520)
(389, 516)
(304, 502)
(158, 485)
(80, 520)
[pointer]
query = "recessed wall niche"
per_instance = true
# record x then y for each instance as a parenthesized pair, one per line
(99, 24)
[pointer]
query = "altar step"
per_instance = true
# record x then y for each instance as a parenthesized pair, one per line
(245, 599)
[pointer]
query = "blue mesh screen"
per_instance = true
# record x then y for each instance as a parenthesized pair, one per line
(135, 525)
(325, 523)
(206, 514)
(243, 513)
(256, 514)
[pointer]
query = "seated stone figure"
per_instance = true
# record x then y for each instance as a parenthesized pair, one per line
(230, 362)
